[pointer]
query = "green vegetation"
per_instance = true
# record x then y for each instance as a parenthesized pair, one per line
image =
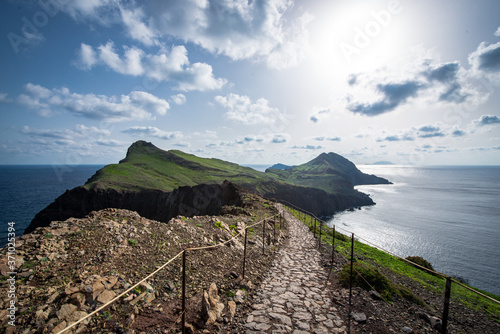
(148, 167)
(371, 257)
(367, 277)
(218, 224)
(48, 235)
(329, 172)
(420, 261)
(370, 278)
(132, 242)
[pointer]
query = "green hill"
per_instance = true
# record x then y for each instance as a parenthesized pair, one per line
(329, 172)
(160, 184)
(147, 166)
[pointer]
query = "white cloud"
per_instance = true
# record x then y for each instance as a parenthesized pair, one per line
(87, 57)
(264, 30)
(178, 99)
(130, 64)
(109, 142)
(486, 120)
(421, 80)
(80, 131)
(253, 140)
(164, 66)
(135, 106)
(485, 61)
(241, 109)
(497, 33)
(102, 11)
(153, 132)
(307, 147)
(133, 19)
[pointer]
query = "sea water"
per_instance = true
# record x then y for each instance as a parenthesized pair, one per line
(448, 215)
(25, 190)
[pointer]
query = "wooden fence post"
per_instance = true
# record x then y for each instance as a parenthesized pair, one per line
(183, 325)
(319, 245)
(263, 236)
(244, 253)
(351, 277)
(333, 246)
(446, 307)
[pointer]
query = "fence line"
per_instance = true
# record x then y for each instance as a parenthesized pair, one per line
(183, 253)
(448, 279)
(391, 253)
(371, 286)
(122, 294)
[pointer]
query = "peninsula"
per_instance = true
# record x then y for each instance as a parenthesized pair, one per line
(162, 184)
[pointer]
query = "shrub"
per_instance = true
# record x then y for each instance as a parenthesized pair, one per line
(407, 294)
(371, 279)
(132, 242)
(420, 261)
(340, 236)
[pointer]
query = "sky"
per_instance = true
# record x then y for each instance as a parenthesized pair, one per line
(251, 82)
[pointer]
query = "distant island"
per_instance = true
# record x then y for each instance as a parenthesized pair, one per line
(162, 184)
(383, 163)
(281, 166)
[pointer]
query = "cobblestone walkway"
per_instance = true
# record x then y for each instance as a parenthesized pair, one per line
(292, 298)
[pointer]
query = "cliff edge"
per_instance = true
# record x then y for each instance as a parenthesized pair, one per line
(161, 184)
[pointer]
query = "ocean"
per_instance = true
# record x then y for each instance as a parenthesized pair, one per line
(28, 189)
(449, 215)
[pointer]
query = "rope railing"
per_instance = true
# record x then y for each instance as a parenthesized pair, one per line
(386, 302)
(122, 294)
(448, 279)
(181, 253)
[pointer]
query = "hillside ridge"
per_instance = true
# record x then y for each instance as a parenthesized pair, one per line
(154, 182)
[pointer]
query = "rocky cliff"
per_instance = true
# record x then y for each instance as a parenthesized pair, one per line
(161, 184)
(150, 203)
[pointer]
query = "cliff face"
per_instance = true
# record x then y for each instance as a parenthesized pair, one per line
(152, 204)
(162, 184)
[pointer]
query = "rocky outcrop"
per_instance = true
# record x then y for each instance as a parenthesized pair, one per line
(318, 201)
(153, 204)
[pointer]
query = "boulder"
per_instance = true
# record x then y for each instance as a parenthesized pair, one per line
(211, 306)
(106, 296)
(65, 311)
(232, 309)
(359, 317)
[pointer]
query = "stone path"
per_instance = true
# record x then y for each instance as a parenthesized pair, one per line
(293, 298)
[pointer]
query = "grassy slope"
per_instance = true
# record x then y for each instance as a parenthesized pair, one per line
(147, 166)
(373, 256)
(329, 172)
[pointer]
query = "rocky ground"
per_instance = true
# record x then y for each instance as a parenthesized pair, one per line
(374, 315)
(69, 269)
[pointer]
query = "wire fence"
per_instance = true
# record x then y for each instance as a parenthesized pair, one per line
(185, 268)
(266, 237)
(346, 251)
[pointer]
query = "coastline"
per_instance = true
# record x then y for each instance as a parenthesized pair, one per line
(451, 227)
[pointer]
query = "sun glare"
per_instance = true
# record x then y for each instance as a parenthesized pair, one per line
(357, 36)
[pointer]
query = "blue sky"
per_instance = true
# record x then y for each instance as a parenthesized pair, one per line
(252, 82)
